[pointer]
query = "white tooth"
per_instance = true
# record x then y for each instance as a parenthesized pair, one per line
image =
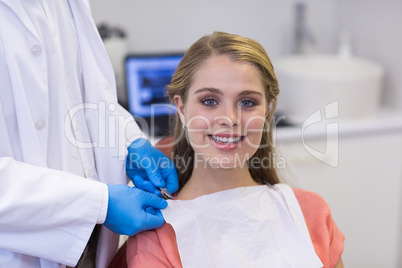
(226, 139)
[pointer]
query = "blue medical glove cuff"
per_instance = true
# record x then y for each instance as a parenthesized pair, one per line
(149, 168)
(132, 210)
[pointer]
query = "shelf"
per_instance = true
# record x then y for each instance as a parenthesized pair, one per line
(387, 122)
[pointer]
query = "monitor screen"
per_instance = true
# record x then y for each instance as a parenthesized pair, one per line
(146, 79)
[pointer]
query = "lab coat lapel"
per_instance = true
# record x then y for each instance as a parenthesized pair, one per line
(31, 150)
(97, 69)
(18, 9)
(99, 87)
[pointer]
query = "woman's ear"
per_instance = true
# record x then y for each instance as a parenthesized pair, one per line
(267, 109)
(178, 101)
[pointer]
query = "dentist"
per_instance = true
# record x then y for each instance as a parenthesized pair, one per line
(63, 143)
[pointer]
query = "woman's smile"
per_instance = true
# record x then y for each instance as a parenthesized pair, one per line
(226, 142)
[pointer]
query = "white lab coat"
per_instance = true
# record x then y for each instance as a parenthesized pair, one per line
(42, 230)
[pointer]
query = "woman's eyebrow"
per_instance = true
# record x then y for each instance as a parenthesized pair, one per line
(209, 89)
(249, 92)
(217, 91)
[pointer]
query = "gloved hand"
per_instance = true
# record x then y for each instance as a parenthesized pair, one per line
(131, 210)
(149, 168)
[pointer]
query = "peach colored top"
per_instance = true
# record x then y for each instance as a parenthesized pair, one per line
(158, 248)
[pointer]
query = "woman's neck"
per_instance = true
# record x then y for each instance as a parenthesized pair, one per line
(206, 180)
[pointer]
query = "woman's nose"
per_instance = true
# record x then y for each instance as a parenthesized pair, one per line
(229, 117)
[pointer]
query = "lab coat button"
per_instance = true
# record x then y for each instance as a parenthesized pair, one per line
(36, 50)
(40, 124)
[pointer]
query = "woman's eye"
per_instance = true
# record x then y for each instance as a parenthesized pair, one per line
(209, 102)
(247, 103)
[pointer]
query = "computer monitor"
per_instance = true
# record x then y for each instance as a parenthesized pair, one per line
(146, 79)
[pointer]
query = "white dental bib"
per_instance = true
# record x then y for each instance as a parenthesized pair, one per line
(255, 226)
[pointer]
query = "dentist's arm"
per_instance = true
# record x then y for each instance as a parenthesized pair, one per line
(48, 213)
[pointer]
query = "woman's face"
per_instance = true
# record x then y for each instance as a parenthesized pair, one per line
(224, 112)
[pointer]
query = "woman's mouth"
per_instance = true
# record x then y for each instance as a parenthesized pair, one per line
(226, 142)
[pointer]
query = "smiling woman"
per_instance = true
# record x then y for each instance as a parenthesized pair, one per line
(224, 114)
(225, 87)
(231, 209)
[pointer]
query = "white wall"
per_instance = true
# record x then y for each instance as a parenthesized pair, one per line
(173, 25)
(375, 26)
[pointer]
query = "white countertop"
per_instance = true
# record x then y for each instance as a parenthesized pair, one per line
(386, 122)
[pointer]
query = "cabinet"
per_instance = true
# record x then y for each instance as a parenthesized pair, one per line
(364, 189)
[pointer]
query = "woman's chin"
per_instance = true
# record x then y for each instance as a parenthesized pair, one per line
(225, 163)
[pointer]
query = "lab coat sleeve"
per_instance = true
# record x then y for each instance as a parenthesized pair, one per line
(129, 128)
(48, 213)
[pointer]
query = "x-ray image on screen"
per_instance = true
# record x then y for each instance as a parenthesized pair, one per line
(152, 84)
(147, 77)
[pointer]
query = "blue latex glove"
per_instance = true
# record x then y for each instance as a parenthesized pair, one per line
(131, 210)
(149, 168)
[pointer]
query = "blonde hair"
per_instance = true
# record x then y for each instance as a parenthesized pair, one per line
(236, 48)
